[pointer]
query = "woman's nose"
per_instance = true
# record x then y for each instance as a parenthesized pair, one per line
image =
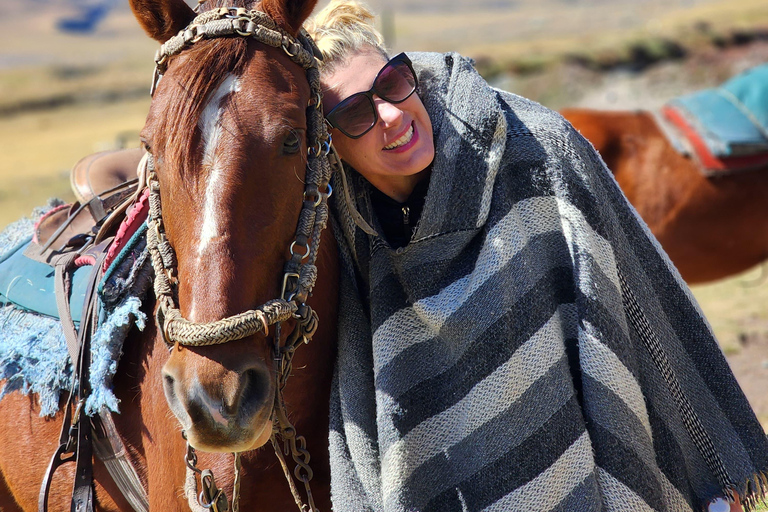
(388, 113)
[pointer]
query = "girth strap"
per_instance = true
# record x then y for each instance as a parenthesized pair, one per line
(111, 451)
(64, 267)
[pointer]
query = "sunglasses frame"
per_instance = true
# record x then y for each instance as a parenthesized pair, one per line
(401, 57)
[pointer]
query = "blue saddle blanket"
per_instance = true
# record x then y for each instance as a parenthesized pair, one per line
(29, 284)
(731, 119)
(33, 352)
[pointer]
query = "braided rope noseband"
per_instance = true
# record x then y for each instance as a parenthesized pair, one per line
(300, 271)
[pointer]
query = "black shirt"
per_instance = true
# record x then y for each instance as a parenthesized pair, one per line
(398, 220)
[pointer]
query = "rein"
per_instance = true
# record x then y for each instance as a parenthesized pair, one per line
(299, 273)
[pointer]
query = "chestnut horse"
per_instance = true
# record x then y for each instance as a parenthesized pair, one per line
(228, 130)
(711, 227)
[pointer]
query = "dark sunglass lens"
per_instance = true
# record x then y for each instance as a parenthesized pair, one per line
(395, 82)
(354, 115)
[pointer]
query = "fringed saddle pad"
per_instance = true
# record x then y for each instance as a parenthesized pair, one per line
(726, 127)
(33, 353)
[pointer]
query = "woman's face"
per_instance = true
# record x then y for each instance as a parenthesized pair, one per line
(390, 155)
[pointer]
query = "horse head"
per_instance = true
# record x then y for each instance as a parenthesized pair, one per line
(228, 132)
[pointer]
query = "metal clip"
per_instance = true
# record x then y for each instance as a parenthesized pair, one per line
(211, 497)
(286, 277)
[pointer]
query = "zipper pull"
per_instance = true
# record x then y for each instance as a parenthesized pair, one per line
(406, 215)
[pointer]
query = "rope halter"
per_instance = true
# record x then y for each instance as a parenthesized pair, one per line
(300, 272)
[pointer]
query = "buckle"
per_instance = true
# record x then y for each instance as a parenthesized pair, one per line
(289, 276)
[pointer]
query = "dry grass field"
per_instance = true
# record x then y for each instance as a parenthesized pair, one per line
(64, 96)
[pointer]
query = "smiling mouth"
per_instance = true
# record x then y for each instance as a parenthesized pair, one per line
(402, 141)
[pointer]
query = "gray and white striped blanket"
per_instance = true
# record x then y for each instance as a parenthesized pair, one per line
(532, 348)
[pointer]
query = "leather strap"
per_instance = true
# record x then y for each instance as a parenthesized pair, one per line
(63, 288)
(82, 490)
(76, 436)
(111, 450)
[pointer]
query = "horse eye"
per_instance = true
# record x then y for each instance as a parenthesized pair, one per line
(292, 143)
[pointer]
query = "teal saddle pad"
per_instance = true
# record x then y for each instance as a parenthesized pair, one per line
(732, 119)
(29, 284)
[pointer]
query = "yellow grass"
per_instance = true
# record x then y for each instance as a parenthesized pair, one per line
(38, 149)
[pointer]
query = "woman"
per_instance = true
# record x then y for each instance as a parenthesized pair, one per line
(511, 336)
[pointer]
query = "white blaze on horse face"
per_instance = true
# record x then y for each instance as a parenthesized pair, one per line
(211, 130)
(210, 127)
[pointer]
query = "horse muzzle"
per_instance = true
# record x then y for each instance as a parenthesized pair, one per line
(221, 410)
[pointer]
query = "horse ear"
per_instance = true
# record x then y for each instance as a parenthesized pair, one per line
(162, 19)
(289, 14)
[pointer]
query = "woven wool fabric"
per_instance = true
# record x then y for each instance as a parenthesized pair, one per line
(532, 348)
(33, 351)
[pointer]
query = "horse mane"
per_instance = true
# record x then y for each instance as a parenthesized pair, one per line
(207, 63)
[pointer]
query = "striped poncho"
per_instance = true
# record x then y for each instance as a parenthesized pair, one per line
(532, 348)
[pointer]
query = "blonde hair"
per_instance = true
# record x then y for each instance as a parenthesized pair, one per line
(342, 28)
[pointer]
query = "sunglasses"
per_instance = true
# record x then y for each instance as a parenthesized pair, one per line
(356, 115)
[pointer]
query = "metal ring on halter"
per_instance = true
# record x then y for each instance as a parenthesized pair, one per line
(293, 253)
(199, 31)
(318, 197)
(191, 457)
(285, 49)
(286, 277)
(243, 33)
(264, 322)
(318, 100)
(162, 59)
(160, 321)
(201, 502)
(314, 150)
(330, 191)
(322, 148)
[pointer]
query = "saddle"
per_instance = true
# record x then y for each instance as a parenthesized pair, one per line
(725, 128)
(103, 183)
(57, 273)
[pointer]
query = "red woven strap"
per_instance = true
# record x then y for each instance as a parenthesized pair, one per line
(134, 218)
(709, 161)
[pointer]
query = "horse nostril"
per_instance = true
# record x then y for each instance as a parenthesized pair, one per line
(168, 387)
(255, 389)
